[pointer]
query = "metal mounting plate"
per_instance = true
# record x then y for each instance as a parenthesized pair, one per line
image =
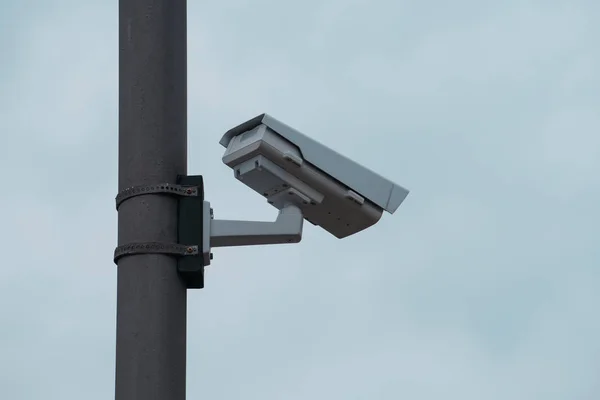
(190, 230)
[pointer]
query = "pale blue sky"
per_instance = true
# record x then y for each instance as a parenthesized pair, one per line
(484, 284)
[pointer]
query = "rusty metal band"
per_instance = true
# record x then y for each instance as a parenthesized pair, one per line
(173, 249)
(161, 188)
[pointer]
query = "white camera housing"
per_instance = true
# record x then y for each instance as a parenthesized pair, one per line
(292, 170)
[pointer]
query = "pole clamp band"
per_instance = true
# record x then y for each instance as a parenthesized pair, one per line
(167, 188)
(154, 248)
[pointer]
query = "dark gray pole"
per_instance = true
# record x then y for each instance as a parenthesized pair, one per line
(151, 297)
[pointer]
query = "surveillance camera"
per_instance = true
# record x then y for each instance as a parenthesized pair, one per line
(292, 170)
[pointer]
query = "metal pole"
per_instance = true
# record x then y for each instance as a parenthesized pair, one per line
(151, 297)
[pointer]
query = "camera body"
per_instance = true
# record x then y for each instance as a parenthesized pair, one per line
(291, 169)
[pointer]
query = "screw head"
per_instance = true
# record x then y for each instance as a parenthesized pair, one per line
(190, 250)
(189, 191)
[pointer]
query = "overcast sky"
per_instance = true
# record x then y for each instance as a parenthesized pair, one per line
(483, 285)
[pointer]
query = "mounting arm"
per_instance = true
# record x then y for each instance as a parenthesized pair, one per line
(287, 228)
